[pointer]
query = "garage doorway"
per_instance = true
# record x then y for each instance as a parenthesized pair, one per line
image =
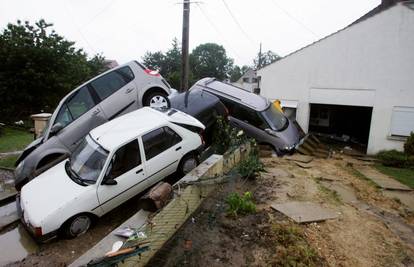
(341, 123)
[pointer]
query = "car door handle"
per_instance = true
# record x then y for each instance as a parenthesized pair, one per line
(138, 171)
(129, 90)
(178, 148)
(96, 112)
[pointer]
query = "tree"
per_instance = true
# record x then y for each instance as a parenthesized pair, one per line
(38, 67)
(210, 60)
(236, 72)
(266, 59)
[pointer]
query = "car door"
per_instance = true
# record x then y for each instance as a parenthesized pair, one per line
(126, 168)
(163, 152)
(117, 92)
(79, 114)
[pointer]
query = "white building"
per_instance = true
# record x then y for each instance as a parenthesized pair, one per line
(248, 80)
(358, 81)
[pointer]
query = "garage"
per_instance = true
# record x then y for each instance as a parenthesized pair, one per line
(348, 124)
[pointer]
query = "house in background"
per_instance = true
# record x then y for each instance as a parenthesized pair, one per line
(248, 81)
(357, 82)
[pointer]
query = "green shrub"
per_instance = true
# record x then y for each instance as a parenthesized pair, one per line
(251, 166)
(394, 158)
(225, 136)
(240, 205)
(409, 145)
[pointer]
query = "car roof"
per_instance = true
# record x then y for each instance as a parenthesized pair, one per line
(234, 93)
(198, 102)
(131, 125)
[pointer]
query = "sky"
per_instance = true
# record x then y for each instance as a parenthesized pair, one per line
(125, 29)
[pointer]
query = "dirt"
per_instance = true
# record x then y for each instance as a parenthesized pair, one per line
(372, 229)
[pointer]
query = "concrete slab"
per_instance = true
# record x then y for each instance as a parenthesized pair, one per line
(305, 212)
(346, 193)
(382, 180)
(8, 214)
(406, 198)
(105, 245)
(304, 165)
(299, 158)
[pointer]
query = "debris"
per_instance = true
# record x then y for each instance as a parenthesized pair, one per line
(303, 165)
(299, 158)
(157, 197)
(303, 212)
(124, 232)
(115, 247)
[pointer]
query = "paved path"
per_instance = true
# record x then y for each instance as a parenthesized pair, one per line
(382, 180)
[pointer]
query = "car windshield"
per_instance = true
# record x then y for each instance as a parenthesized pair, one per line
(87, 161)
(275, 118)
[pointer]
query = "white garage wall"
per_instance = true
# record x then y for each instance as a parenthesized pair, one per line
(369, 64)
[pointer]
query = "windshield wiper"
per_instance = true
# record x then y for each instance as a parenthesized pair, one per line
(73, 175)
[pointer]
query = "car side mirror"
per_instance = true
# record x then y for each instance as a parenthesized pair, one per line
(56, 128)
(110, 181)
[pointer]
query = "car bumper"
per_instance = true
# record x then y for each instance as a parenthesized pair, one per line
(42, 239)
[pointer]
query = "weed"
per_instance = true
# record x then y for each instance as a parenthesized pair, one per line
(409, 145)
(225, 136)
(240, 204)
(292, 247)
(359, 175)
(331, 194)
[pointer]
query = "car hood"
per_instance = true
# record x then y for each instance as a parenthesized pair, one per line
(32, 146)
(49, 192)
(290, 135)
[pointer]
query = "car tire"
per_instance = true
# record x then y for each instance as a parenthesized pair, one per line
(188, 163)
(157, 99)
(77, 225)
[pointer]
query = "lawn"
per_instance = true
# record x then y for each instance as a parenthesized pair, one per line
(405, 176)
(8, 162)
(14, 140)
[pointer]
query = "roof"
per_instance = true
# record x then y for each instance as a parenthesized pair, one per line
(230, 91)
(131, 125)
(377, 10)
(198, 101)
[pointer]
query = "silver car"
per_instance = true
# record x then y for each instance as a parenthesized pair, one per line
(256, 115)
(109, 95)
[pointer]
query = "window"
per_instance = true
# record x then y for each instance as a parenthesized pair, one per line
(246, 79)
(75, 106)
(127, 73)
(402, 121)
(245, 114)
(254, 80)
(108, 84)
(125, 158)
(159, 140)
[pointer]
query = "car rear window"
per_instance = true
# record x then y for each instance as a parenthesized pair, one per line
(159, 140)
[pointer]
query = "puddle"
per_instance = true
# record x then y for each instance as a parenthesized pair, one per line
(16, 245)
(8, 214)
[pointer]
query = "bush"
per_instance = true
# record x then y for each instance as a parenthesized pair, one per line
(225, 136)
(395, 158)
(250, 166)
(240, 205)
(409, 145)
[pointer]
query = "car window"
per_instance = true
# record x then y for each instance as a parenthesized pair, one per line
(159, 140)
(127, 73)
(75, 106)
(248, 115)
(125, 158)
(108, 84)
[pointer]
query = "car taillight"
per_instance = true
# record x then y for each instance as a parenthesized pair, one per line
(152, 72)
(38, 231)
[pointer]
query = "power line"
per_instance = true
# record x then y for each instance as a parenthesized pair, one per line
(216, 29)
(294, 18)
(237, 23)
(99, 13)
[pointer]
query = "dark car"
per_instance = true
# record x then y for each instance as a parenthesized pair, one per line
(255, 115)
(203, 106)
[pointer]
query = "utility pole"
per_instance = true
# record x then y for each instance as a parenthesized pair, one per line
(259, 65)
(184, 46)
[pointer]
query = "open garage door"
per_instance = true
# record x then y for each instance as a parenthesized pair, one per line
(349, 124)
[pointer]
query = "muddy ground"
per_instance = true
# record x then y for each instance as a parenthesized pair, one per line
(371, 229)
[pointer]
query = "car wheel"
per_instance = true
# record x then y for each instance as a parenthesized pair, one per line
(77, 225)
(188, 163)
(157, 100)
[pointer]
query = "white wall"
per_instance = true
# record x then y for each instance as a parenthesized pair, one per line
(369, 64)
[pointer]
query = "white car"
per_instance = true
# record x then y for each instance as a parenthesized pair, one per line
(114, 162)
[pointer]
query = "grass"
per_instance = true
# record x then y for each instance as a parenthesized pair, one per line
(14, 140)
(361, 176)
(8, 162)
(403, 175)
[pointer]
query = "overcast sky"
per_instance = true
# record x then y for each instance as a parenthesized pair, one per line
(124, 29)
